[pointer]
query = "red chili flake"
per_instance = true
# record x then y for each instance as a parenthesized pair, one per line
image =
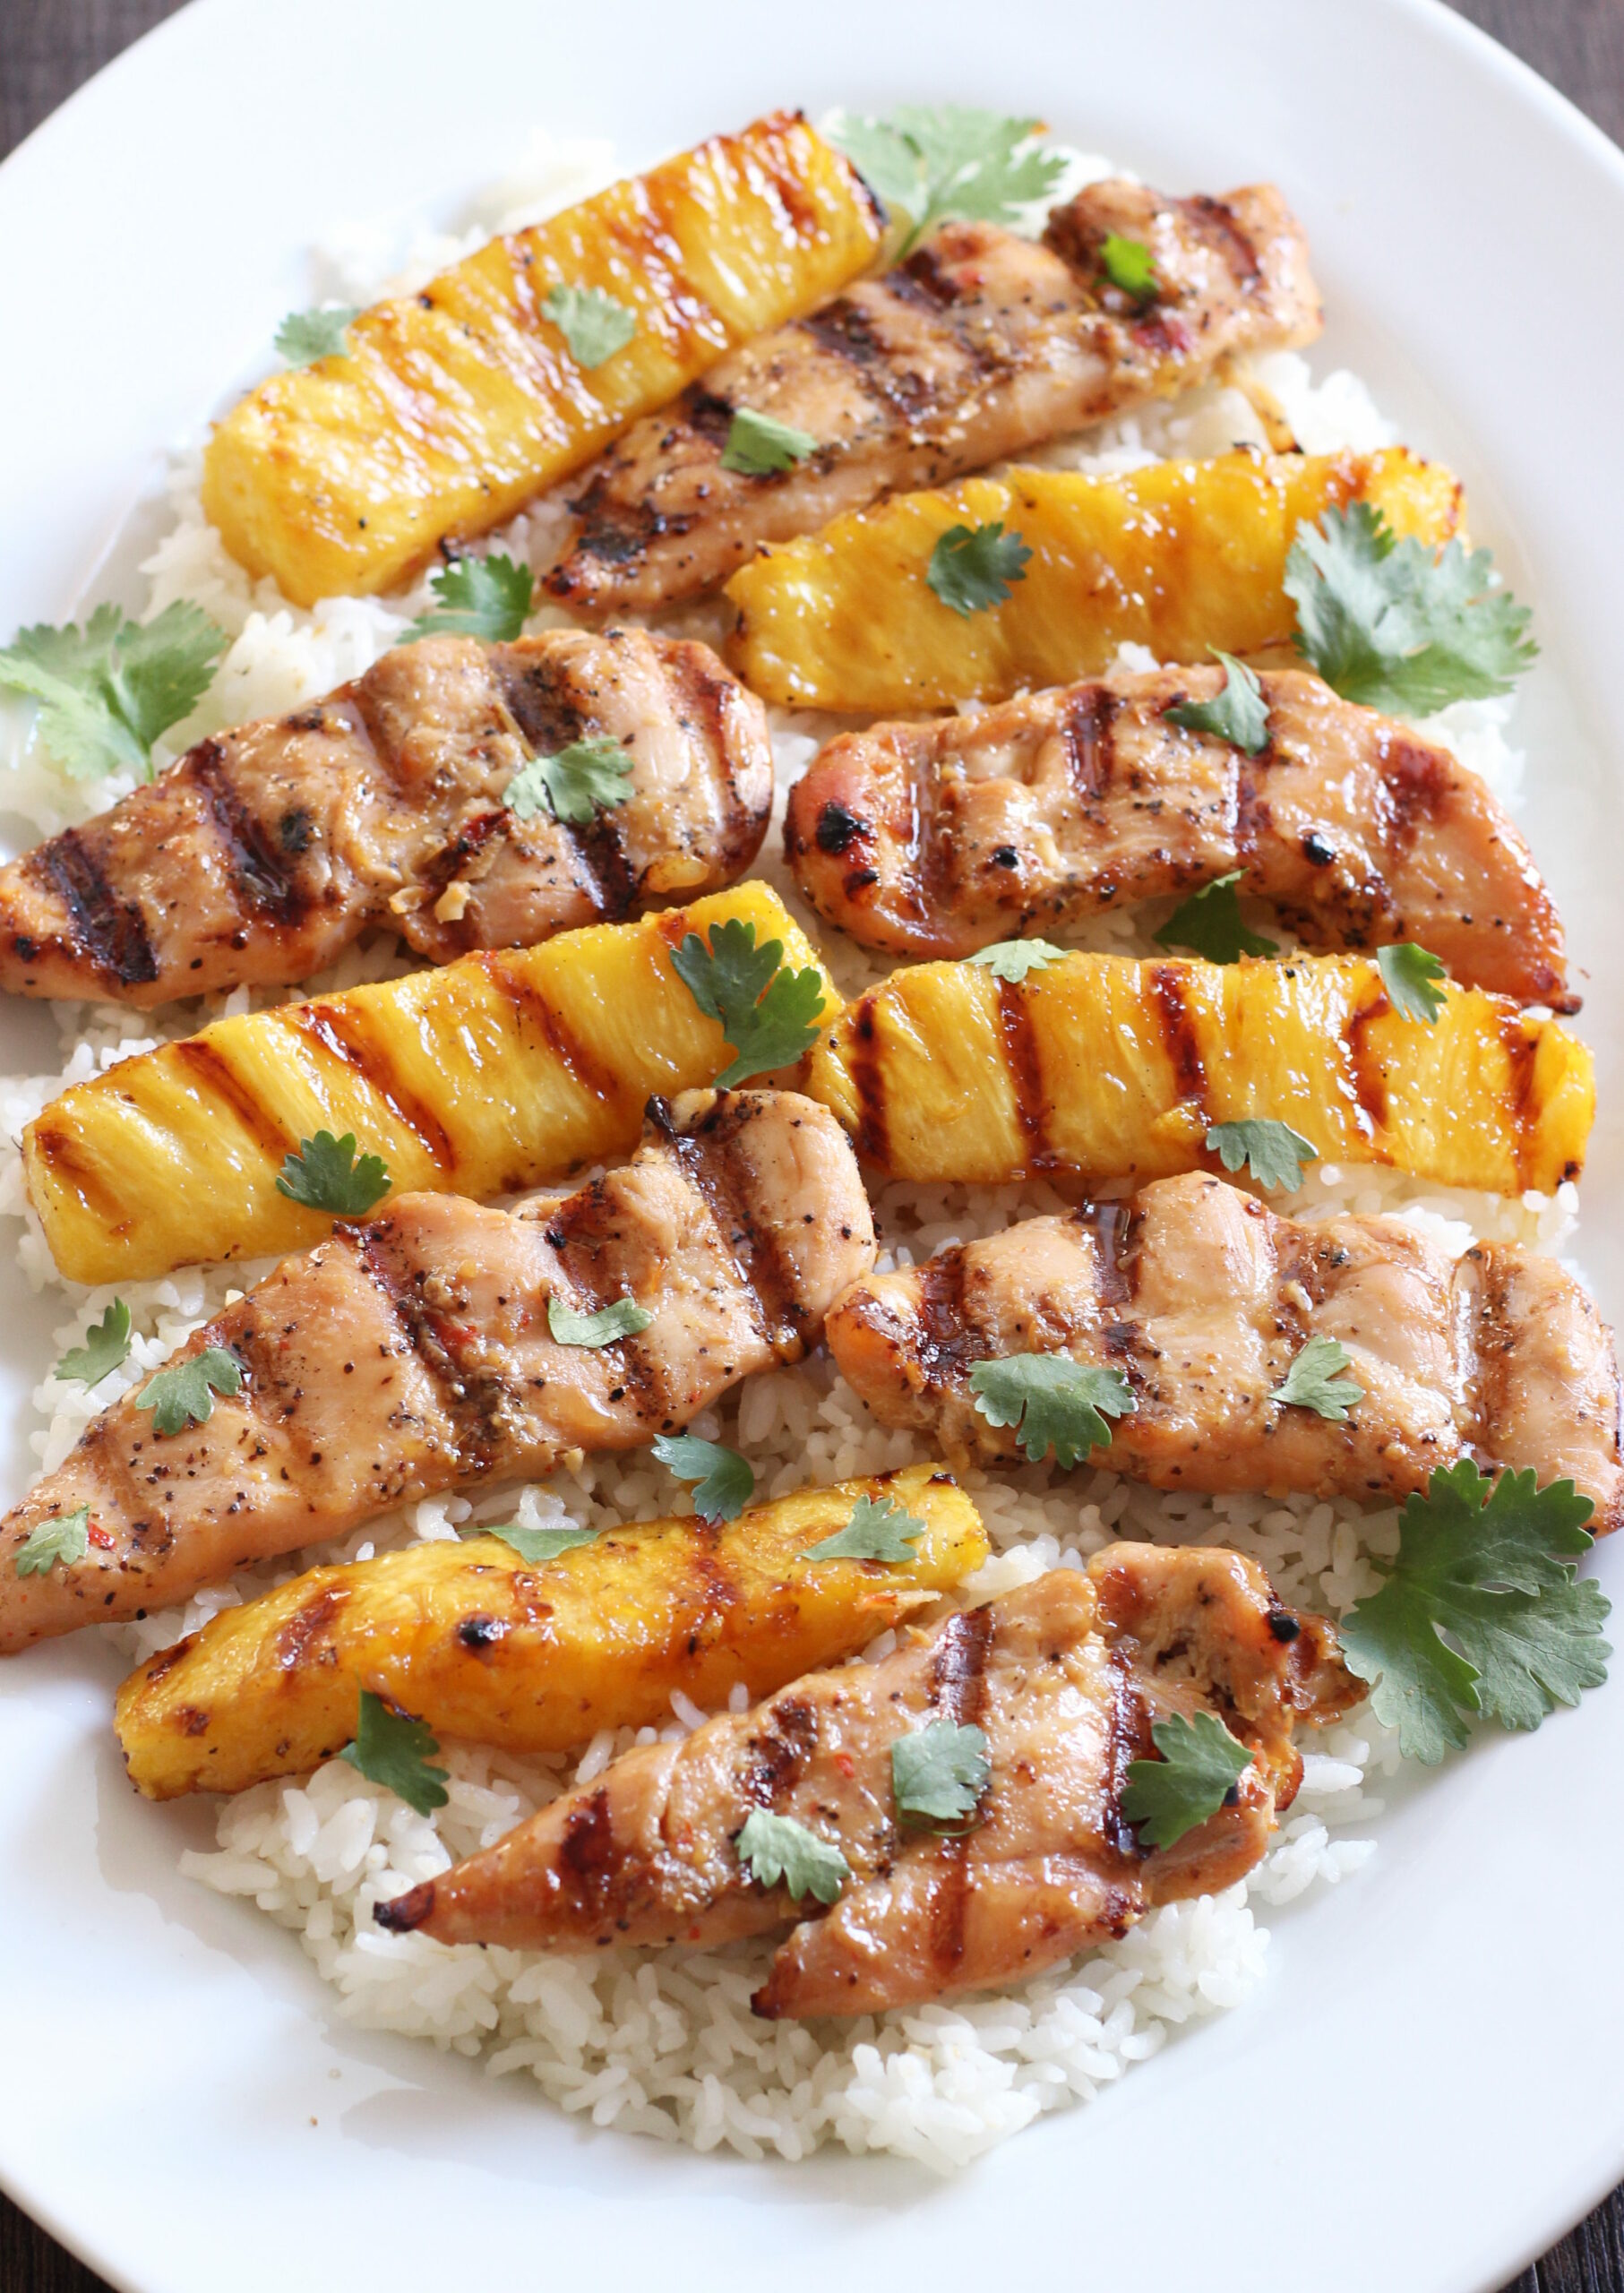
(99, 1537)
(846, 1764)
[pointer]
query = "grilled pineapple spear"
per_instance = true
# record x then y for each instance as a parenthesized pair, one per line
(448, 408)
(534, 1656)
(1178, 556)
(1104, 1067)
(498, 1071)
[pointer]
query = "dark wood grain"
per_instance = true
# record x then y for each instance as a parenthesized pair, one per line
(48, 46)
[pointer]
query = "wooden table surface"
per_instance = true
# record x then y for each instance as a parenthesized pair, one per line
(48, 46)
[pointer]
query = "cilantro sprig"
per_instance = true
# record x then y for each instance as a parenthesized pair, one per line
(305, 336)
(621, 1317)
(576, 784)
(106, 1346)
(327, 1174)
(1394, 624)
(488, 598)
(776, 1850)
(66, 1537)
(1209, 923)
(531, 1545)
(1012, 960)
(1483, 1612)
(768, 1014)
(928, 164)
(1058, 1404)
(940, 1771)
(1237, 712)
(759, 446)
(393, 1749)
(1200, 1767)
(1316, 1381)
(1411, 976)
(723, 1482)
(184, 1395)
(879, 1529)
(1274, 1150)
(106, 692)
(591, 321)
(972, 567)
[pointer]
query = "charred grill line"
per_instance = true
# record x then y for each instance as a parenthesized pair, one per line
(475, 1401)
(1131, 1739)
(342, 1036)
(717, 1166)
(959, 1693)
(219, 1080)
(262, 883)
(1024, 1061)
(583, 1228)
(113, 932)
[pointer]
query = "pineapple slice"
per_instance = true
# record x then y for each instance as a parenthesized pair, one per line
(1104, 1067)
(1177, 556)
(534, 1656)
(498, 1071)
(451, 408)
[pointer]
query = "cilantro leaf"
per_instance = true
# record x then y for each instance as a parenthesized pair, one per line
(877, 1531)
(759, 447)
(305, 336)
(1209, 923)
(1275, 1152)
(777, 1848)
(1129, 264)
(1238, 713)
(488, 598)
(393, 1749)
(1389, 624)
(185, 1394)
(1315, 1381)
(939, 1772)
(972, 567)
(1409, 974)
(622, 1317)
(1201, 1766)
(326, 1174)
(1059, 1404)
(66, 1537)
(592, 322)
(580, 781)
(530, 1544)
(1488, 1565)
(106, 692)
(724, 1481)
(106, 1343)
(1012, 960)
(769, 1013)
(930, 163)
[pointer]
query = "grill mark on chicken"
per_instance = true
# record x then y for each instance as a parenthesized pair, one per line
(1065, 1678)
(1059, 805)
(261, 855)
(716, 1160)
(977, 347)
(343, 1034)
(1501, 1357)
(262, 884)
(413, 1354)
(109, 931)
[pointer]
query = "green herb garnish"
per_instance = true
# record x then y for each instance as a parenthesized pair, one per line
(625, 1318)
(1129, 264)
(1208, 923)
(532, 1545)
(185, 1394)
(107, 1346)
(106, 692)
(1238, 713)
(768, 1014)
(929, 163)
(776, 1850)
(1315, 1381)
(580, 781)
(326, 1174)
(1012, 960)
(592, 322)
(394, 1750)
(1275, 1152)
(939, 1772)
(488, 598)
(724, 1483)
(305, 336)
(972, 567)
(1410, 975)
(879, 1530)
(66, 1537)
(759, 447)
(1058, 1404)
(1201, 1766)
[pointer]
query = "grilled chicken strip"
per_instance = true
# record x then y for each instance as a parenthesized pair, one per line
(261, 853)
(413, 1354)
(1202, 1297)
(1065, 1678)
(935, 839)
(979, 345)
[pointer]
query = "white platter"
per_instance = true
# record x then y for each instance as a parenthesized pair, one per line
(1427, 2090)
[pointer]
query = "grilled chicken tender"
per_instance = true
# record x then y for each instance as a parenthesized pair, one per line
(267, 850)
(413, 1354)
(1202, 1297)
(978, 344)
(1065, 1678)
(935, 839)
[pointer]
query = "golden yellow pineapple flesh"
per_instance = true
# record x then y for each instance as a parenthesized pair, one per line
(498, 1071)
(1178, 556)
(534, 1656)
(451, 408)
(1105, 1066)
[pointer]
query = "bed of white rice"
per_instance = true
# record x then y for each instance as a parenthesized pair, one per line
(665, 2044)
